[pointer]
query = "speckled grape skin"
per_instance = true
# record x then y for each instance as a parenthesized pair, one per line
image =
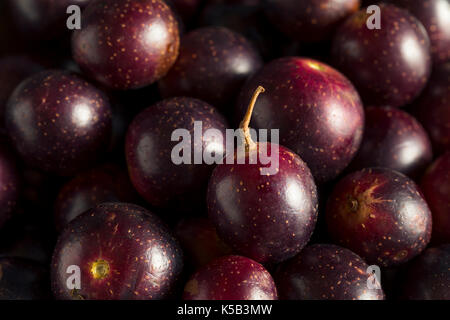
(309, 20)
(44, 19)
(393, 139)
(22, 279)
(435, 185)
(200, 241)
(317, 110)
(13, 70)
(213, 64)
(231, 278)
(268, 218)
(428, 276)
(379, 214)
(108, 183)
(432, 108)
(389, 66)
(434, 15)
(126, 44)
(144, 259)
(148, 152)
(58, 122)
(325, 272)
(10, 182)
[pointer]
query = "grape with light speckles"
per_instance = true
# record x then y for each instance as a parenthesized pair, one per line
(58, 122)
(435, 185)
(432, 108)
(434, 15)
(309, 20)
(389, 66)
(108, 183)
(149, 147)
(127, 44)
(428, 276)
(381, 215)
(10, 182)
(268, 217)
(393, 139)
(317, 110)
(213, 64)
(123, 251)
(325, 272)
(231, 278)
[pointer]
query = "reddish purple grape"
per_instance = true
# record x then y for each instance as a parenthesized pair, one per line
(107, 183)
(432, 108)
(10, 182)
(126, 44)
(123, 252)
(23, 279)
(317, 110)
(309, 20)
(389, 66)
(325, 272)
(231, 278)
(13, 70)
(155, 176)
(434, 15)
(200, 241)
(58, 122)
(44, 19)
(428, 276)
(393, 139)
(436, 187)
(213, 64)
(381, 215)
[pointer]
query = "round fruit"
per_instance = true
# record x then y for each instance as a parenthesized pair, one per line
(13, 70)
(309, 20)
(389, 66)
(436, 187)
(58, 122)
(123, 252)
(432, 108)
(266, 211)
(231, 278)
(149, 149)
(9, 182)
(126, 44)
(22, 279)
(317, 110)
(213, 64)
(379, 214)
(393, 139)
(434, 15)
(44, 19)
(325, 272)
(428, 276)
(107, 183)
(200, 241)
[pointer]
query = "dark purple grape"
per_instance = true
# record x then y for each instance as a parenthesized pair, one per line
(58, 122)
(126, 44)
(231, 278)
(213, 64)
(381, 215)
(389, 66)
(393, 139)
(155, 176)
(325, 272)
(123, 252)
